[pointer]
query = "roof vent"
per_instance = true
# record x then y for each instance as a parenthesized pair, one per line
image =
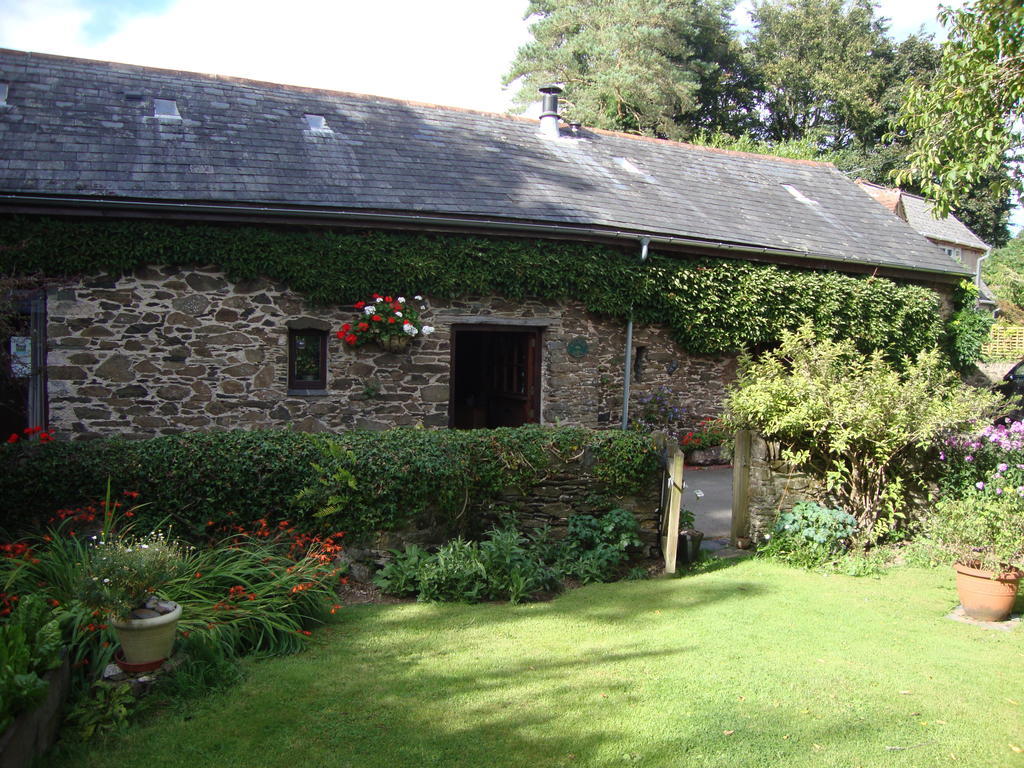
(132, 96)
(549, 116)
(3, 94)
(166, 109)
(318, 124)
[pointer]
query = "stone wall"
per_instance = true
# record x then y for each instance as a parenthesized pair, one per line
(165, 350)
(568, 489)
(775, 487)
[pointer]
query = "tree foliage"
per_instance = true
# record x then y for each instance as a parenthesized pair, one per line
(858, 422)
(968, 122)
(655, 67)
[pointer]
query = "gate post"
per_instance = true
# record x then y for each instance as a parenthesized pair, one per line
(741, 487)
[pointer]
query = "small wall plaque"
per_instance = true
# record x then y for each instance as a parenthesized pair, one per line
(578, 347)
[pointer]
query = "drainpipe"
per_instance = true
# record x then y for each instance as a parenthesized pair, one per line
(977, 273)
(645, 243)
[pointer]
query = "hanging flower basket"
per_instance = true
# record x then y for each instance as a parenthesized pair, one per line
(390, 322)
(395, 343)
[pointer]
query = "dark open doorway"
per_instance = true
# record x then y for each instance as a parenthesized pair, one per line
(495, 377)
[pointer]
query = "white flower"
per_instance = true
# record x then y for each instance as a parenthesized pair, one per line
(410, 329)
(145, 546)
(400, 299)
(427, 329)
(418, 298)
(106, 581)
(398, 314)
(369, 310)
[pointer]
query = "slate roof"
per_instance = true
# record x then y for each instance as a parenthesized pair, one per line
(949, 229)
(86, 129)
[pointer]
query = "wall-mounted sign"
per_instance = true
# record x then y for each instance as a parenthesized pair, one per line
(21, 357)
(578, 347)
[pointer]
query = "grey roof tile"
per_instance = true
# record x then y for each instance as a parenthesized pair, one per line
(245, 141)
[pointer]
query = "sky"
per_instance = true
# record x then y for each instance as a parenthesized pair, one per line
(449, 52)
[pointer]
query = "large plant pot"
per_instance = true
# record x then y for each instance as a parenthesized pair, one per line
(144, 641)
(984, 595)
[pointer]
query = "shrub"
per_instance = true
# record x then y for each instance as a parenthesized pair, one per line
(858, 422)
(121, 573)
(455, 574)
(212, 483)
(984, 529)
(401, 576)
(506, 565)
(30, 643)
(810, 534)
(595, 548)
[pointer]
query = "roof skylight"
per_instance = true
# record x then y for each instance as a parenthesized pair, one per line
(166, 109)
(318, 124)
(3, 94)
(799, 195)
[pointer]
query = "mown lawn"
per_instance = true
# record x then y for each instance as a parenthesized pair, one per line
(754, 664)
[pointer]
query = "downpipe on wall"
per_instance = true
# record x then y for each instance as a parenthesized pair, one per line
(645, 243)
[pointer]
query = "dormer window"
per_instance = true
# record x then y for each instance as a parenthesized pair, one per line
(166, 109)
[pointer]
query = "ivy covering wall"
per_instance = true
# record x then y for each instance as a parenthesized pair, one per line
(711, 306)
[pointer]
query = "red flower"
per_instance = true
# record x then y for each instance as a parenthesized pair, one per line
(375, 318)
(13, 438)
(351, 339)
(346, 327)
(396, 306)
(391, 320)
(46, 437)
(387, 299)
(363, 327)
(376, 295)
(341, 334)
(406, 322)
(132, 494)
(360, 304)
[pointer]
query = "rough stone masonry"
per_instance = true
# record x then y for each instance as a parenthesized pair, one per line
(165, 350)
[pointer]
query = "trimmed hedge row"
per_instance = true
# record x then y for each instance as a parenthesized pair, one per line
(209, 482)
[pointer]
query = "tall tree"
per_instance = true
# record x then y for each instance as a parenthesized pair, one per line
(967, 124)
(657, 67)
(824, 69)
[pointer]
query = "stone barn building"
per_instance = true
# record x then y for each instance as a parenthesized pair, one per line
(151, 348)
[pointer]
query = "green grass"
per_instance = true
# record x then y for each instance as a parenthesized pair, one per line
(750, 665)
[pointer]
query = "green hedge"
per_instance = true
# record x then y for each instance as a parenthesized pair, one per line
(237, 478)
(711, 306)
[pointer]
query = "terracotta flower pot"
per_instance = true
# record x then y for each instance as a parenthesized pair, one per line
(144, 641)
(984, 595)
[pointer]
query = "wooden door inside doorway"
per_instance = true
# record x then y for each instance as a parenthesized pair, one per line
(495, 377)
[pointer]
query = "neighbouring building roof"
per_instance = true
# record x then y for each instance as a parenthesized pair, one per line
(917, 212)
(95, 133)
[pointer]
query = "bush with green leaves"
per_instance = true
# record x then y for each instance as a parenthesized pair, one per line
(595, 548)
(861, 424)
(810, 534)
(30, 646)
(506, 565)
(359, 481)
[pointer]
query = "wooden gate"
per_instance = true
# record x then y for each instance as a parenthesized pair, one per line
(671, 497)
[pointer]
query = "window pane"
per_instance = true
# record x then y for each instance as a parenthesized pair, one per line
(306, 357)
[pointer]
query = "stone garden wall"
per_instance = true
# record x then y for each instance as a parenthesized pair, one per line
(166, 350)
(775, 487)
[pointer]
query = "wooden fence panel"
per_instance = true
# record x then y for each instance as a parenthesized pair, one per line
(671, 498)
(1005, 342)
